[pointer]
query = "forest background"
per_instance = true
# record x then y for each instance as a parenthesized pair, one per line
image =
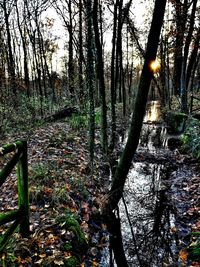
(86, 59)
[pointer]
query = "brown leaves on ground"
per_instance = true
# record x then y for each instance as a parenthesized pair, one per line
(60, 180)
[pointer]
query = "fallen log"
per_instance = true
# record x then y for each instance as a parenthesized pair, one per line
(61, 114)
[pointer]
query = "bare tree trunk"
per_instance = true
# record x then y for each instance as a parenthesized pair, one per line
(100, 76)
(181, 18)
(90, 80)
(70, 62)
(25, 61)
(122, 169)
(80, 56)
(112, 86)
(184, 105)
(11, 62)
(193, 58)
(119, 178)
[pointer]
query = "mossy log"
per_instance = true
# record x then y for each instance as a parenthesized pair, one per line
(176, 122)
(77, 246)
(9, 216)
(61, 114)
(14, 147)
(19, 159)
(8, 168)
(23, 196)
(80, 243)
(6, 236)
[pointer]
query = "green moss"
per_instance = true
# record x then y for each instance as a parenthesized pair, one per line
(67, 246)
(71, 262)
(175, 121)
(80, 241)
(78, 244)
(191, 137)
(194, 251)
(78, 121)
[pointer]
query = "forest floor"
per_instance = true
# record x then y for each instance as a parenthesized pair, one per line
(61, 184)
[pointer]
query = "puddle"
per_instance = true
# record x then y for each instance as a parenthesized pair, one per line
(146, 217)
(148, 212)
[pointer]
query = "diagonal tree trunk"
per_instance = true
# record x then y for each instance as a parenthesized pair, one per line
(139, 109)
(119, 178)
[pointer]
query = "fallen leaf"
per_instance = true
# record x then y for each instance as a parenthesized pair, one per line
(39, 262)
(183, 254)
(59, 262)
(43, 255)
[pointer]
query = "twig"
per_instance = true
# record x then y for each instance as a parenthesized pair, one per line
(132, 232)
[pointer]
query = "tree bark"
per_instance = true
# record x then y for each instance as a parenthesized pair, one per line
(90, 79)
(100, 76)
(193, 58)
(80, 56)
(119, 178)
(124, 164)
(112, 86)
(181, 18)
(11, 61)
(25, 61)
(71, 52)
(184, 105)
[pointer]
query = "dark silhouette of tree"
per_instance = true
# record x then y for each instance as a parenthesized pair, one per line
(184, 105)
(119, 177)
(100, 76)
(7, 8)
(90, 78)
(182, 44)
(24, 45)
(80, 55)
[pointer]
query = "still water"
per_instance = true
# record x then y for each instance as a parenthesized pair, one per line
(146, 217)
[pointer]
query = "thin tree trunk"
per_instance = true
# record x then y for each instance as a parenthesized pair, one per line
(11, 62)
(100, 76)
(90, 80)
(70, 62)
(23, 38)
(181, 18)
(112, 87)
(119, 178)
(184, 105)
(81, 57)
(124, 164)
(193, 58)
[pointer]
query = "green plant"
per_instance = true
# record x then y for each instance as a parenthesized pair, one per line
(60, 195)
(78, 121)
(78, 186)
(175, 120)
(191, 137)
(39, 171)
(194, 248)
(71, 261)
(77, 245)
(8, 258)
(57, 139)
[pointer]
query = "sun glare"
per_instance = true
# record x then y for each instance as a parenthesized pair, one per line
(155, 65)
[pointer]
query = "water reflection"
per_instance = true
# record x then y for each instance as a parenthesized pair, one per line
(153, 112)
(146, 218)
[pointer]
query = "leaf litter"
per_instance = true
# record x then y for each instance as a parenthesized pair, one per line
(60, 180)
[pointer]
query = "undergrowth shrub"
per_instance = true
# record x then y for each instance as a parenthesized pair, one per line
(191, 137)
(78, 121)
